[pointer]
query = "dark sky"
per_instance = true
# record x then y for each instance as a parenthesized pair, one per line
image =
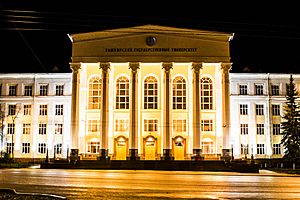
(33, 36)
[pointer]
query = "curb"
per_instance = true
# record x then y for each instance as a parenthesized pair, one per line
(13, 192)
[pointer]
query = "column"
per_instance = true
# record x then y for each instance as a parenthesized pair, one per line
(104, 116)
(196, 111)
(75, 105)
(167, 137)
(226, 67)
(133, 115)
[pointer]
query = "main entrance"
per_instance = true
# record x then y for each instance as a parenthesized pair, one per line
(150, 148)
(179, 148)
(120, 148)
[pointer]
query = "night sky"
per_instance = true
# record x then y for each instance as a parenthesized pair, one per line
(33, 36)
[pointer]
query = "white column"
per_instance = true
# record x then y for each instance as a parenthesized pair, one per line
(167, 137)
(75, 104)
(104, 115)
(133, 113)
(196, 111)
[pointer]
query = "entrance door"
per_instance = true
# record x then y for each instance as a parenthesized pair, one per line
(150, 148)
(179, 146)
(121, 149)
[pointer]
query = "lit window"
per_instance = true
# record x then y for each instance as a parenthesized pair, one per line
(179, 125)
(93, 147)
(93, 125)
(43, 90)
(94, 93)
(122, 95)
(150, 124)
(150, 93)
(207, 125)
(206, 94)
(58, 128)
(179, 93)
(121, 125)
(207, 147)
(26, 128)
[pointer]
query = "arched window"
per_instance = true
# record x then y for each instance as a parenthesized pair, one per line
(94, 93)
(206, 94)
(122, 93)
(179, 93)
(150, 93)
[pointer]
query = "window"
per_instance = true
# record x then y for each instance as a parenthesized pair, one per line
(26, 128)
(12, 90)
(259, 109)
(243, 90)
(59, 109)
(179, 125)
(43, 109)
(207, 125)
(179, 93)
(275, 90)
(244, 149)
(12, 109)
(42, 129)
(260, 149)
(58, 128)
(244, 129)
(243, 109)
(59, 90)
(207, 147)
(28, 90)
(275, 110)
(42, 148)
(150, 124)
(93, 125)
(121, 125)
(206, 93)
(10, 147)
(26, 147)
(150, 93)
(10, 128)
(58, 148)
(260, 129)
(122, 96)
(276, 149)
(94, 93)
(259, 89)
(276, 129)
(43, 90)
(93, 147)
(27, 109)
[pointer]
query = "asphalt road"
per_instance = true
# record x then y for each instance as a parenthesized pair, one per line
(131, 184)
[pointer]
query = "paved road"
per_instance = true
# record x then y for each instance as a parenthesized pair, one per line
(130, 184)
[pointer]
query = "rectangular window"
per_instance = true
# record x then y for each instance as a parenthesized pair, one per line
(59, 91)
(26, 128)
(260, 129)
(59, 109)
(275, 110)
(179, 125)
(12, 90)
(10, 147)
(26, 147)
(243, 90)
(10, 128)
(58, 148)
(207, 125)
(276, 149)
(27, 109)
(260, 149)
(275, 90)
(259, 89)
(244, 149)
(244, 129)
(259, 109)
(243, 109)
(94, 147)
(150, 124)
(12, 109)
(42, 129)
(58, 128)
(121, 125)
(42, 148)
(28, 90)
(93, 125)
(43, 109)
(43, 90)
(276, 129)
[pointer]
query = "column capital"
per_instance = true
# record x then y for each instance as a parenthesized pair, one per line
(226, 67)
(76, 67)
(167, 66)
(134, 66)
(105, 66)
(196, 67)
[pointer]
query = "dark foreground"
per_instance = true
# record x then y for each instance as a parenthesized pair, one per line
(11, 194)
